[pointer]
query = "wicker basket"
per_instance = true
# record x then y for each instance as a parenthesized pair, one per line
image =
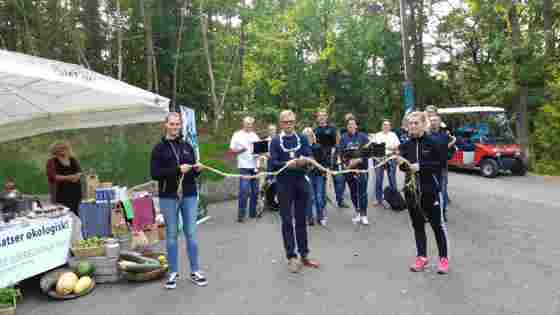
(8, 310)
(89, 252)
(146, 276)
(104, 266)
(161, 232)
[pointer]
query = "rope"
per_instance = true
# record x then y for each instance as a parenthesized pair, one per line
(381, 162)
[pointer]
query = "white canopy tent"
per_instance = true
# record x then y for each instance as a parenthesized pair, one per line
(39, 95)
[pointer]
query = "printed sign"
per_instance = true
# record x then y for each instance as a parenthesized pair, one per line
(32, 249)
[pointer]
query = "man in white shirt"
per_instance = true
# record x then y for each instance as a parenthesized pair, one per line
(391, 147)
(242, 145)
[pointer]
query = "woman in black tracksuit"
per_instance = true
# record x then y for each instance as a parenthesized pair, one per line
(424, 201)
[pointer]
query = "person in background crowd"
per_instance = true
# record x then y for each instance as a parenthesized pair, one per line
(357, 182)
(391, 147)
(328, 160)
(242, 145)
(423, 201)
(447, 141)
(64, 173)
(272, 132)
(9, 185)
(171, 159)
(311, 209)
(340, 180)
(271, 192)
(402, 132)
(293, 190)
(430, 111)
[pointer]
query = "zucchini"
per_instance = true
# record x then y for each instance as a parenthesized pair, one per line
(137, 258)
(135, 263)
(134, 267)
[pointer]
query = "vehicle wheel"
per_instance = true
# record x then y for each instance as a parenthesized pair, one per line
(489, 168)
(519, 169)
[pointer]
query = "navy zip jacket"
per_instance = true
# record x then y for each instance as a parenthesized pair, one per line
(354, 142)
(165, 167)
(279, 158)
(428, 153)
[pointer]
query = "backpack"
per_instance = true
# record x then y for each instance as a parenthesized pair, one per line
(394, 199)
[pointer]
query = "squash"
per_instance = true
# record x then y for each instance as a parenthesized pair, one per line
(137, 258)
(83, 285)
(66, 283)
(135, 267)
(135, 263)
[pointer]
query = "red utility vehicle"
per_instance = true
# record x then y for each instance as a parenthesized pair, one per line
(485, 140)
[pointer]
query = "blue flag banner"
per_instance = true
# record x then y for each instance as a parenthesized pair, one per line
(408, 97)
(189, 128)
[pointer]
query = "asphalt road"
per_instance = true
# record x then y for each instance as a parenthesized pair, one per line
(504, 259)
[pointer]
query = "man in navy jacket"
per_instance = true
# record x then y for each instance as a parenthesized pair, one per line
(293, 190)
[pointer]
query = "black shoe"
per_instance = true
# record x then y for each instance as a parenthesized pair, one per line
(240, 220)
(342, 204)
(311, 222)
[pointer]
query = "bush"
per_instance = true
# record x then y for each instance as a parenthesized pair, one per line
(29, 177)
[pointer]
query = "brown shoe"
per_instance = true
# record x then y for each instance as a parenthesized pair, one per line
(294, 265)
(310, 263)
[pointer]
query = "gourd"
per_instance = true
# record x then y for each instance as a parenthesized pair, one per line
(66, 283)
(83, 284)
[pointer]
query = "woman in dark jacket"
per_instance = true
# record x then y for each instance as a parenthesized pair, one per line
(426, 161)
(64, 172)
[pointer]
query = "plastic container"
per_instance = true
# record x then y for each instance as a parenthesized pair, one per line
(112, 248)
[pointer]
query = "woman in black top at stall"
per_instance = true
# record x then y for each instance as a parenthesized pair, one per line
(64, 172)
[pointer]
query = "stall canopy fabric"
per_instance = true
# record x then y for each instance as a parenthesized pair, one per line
(39, 95)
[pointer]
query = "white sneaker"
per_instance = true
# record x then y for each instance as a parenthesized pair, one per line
(364, 220)
(171, 281)
(323, 222)
(199, 279)
(356, 218)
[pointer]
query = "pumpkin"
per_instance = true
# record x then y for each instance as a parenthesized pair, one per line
(83, 284)
(66, 283)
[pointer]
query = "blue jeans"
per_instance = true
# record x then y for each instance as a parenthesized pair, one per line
(319, 182)
(339, 187)
(380, 174)
(248, 189)
(188, 208)
(444, 181)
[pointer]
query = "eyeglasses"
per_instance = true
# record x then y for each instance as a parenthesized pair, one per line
(287, 122)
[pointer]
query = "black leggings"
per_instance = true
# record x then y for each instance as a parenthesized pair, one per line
(358, 191)
(432, 211)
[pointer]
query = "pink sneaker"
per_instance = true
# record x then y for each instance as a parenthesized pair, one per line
(443, 267)
(419, 264)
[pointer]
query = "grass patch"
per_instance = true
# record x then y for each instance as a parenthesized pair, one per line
(122, 158)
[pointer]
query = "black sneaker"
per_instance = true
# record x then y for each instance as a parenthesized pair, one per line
(342, 204)
(171, 281)
(199, 279)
